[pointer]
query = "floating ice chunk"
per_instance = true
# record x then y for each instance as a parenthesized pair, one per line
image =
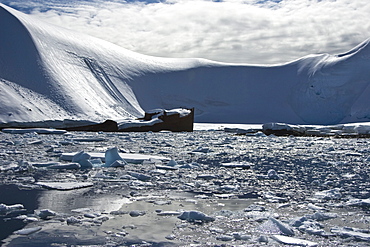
(243, 165)
(8, 167)
(285, 229)
(170, 168)
(9, 208)
(91, 215)
(169, 213)
(128, 157)
(351, 233)
(316, 208)
(69, 166)
(46, 164)
(319, 216)
(274, 226)
(111, 155)
(358, 203)
(297, 222)
(190, 166)
(206, 176)
(119, 163)
(37, 142)
(268, 196)
(83, 159)
(136, 213)
(332, 194)
(171, 237)
(28, 231)
(203, 150)
(241, 236)
(254, 207)
(65, 185)
(293, 241)
(272, 174)
(46, 213)
(263, 239)
(195, 216)
(73, 220)
(225, 238)
(172, 163)
(140, 176)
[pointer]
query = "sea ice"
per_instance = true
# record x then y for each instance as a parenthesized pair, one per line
(111, 155)
(65, 185)
(346, 232)
(83, 159)
(46, 213)
(293, 241)
(8, 208)
(28, 231)
(69, 166)
(195, 216)
(274, 226)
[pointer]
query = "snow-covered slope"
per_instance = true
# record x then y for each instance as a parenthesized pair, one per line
(48, 72)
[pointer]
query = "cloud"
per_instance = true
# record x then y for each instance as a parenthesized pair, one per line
(240, 31)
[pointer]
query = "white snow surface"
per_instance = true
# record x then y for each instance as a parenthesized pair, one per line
(50, 73)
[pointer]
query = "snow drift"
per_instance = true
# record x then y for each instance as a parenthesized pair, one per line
(50, 73)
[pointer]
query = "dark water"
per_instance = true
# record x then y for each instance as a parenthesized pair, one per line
(10, 195)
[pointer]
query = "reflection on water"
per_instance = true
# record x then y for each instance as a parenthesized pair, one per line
(65, 201)
(10, 195)
(119, 228)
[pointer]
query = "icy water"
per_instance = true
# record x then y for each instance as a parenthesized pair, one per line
(245, 190)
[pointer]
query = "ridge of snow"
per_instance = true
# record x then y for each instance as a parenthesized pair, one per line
(50, 73)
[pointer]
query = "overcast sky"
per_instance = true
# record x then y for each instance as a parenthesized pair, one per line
(239, 31)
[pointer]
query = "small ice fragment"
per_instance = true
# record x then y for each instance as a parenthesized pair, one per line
(348, 233)
(83, 159)
(37, 142)
(285, 229)
(119, 163)
(162, 167)
(206, 176)
(272, 174)
(28, 231)
(140, 176)
(73, 220)
(319, 216)
(241, 236)
(263, 239)
(293, 241)
(69, 166)
(65, 185)
(45, 213)
(136, 213)
(111, 155)
(168, 213)
(274, 226)
(90, 215)
(193, 216)
(224, 238)
(170, 237)
(365, 203)
(332, 194)
(8, 208)
(172, 163)
(254, 207)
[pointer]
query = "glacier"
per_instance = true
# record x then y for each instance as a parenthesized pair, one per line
(49, 73)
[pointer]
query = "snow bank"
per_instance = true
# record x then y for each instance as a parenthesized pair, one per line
(49, 73)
